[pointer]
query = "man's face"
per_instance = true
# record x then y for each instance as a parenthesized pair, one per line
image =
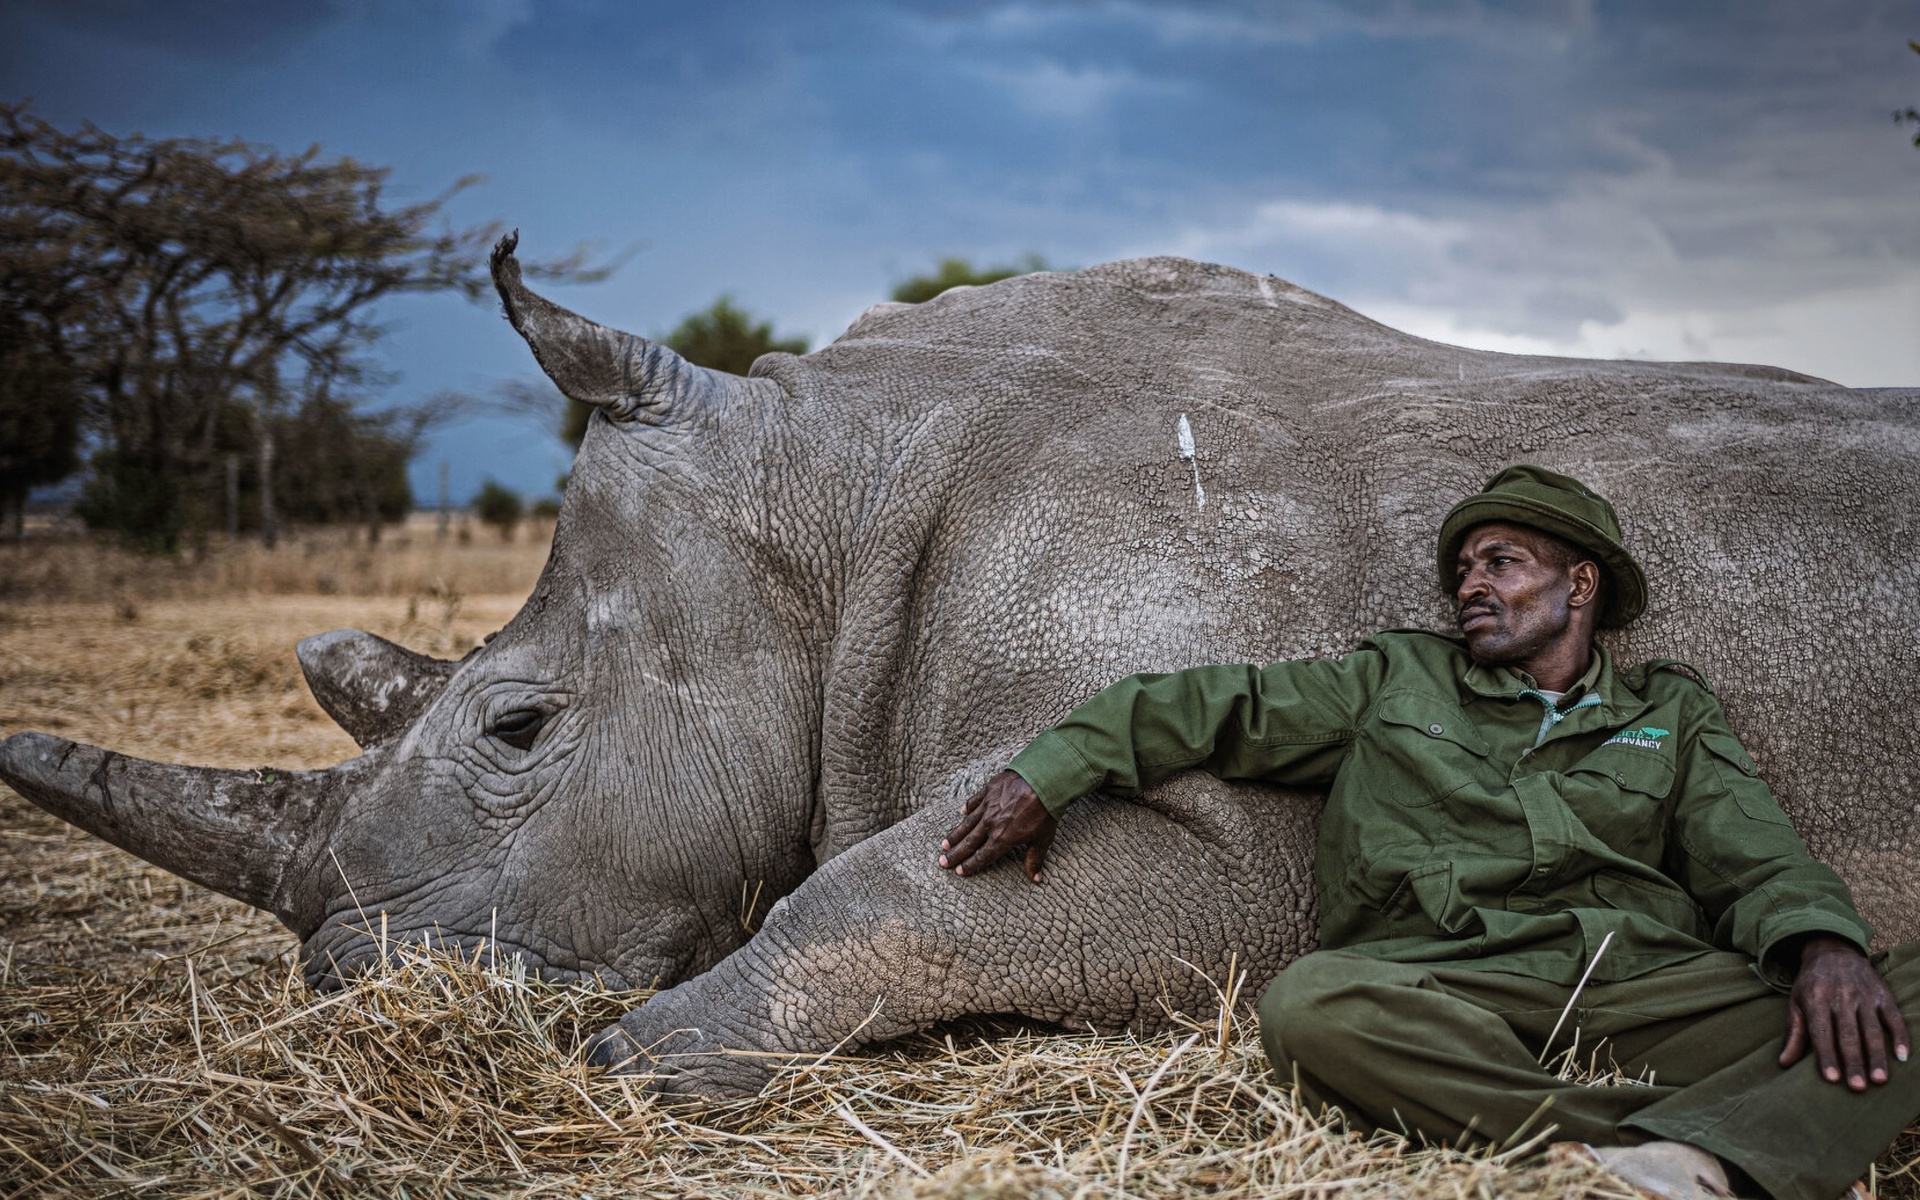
(1514, 599)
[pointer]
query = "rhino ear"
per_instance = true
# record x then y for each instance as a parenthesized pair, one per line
(372, 688)
(620, 374)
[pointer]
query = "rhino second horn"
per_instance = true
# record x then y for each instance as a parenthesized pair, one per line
(618, 373)
(372, 688)
(248, 834)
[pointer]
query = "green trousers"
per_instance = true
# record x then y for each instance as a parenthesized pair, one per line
(1450, 1052)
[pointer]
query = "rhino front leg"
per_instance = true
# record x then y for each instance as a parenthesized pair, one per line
(1139, 907)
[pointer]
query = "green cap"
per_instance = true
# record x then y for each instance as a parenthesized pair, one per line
(1560, 505)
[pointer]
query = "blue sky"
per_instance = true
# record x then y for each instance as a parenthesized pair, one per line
(1712, 179)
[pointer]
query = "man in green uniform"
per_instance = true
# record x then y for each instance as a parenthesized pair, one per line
(1508, 814)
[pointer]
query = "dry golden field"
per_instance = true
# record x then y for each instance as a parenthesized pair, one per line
(155, 1039)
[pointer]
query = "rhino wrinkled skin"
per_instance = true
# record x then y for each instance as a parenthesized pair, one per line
(790, 621)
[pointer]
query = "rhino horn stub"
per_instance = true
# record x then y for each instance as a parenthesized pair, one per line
(621, 374)
(248, 834)
(371, 687)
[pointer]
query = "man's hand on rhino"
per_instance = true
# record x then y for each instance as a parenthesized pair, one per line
(1844, 1011)
(1000, 817)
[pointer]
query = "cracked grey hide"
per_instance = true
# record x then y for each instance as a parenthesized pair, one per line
(791, 620)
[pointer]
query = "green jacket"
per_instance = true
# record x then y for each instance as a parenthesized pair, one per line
(1468, 818)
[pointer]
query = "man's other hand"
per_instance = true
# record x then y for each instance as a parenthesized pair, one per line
(1845, 1012)
(1000, 817)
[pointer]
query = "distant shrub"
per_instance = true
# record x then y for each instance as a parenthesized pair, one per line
(958, 272)
(500, 507)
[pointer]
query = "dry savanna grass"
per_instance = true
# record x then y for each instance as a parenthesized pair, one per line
(416, 559)
(155, 1039)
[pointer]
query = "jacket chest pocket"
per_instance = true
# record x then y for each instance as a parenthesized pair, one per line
(1665, 903)
(1620, 795)
(1421, 750)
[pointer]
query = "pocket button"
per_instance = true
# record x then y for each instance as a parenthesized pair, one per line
(1436, 729)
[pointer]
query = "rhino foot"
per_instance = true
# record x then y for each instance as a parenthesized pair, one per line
(611, 1050)
(681, 1063)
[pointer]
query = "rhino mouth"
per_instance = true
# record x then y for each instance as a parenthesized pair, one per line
(352, 947)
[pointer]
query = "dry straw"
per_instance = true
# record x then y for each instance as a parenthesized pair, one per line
(155, 1040)
(201, 1076)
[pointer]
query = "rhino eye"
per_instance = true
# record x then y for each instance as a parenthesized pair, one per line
(518, 728)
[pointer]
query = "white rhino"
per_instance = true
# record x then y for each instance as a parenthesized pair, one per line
(790, 621)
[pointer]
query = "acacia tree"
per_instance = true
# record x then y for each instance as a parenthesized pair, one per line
(183, 277)
(39, 420)
(353, 463)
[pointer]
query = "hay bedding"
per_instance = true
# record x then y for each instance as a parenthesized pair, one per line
(155, 1039)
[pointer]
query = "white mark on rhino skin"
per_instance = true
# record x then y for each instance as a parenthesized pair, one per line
(1184, 433)
(1266, 292)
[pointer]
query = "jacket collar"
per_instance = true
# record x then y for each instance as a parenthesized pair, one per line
(1617, 705)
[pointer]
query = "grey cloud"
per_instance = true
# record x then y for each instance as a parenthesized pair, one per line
(193, 28)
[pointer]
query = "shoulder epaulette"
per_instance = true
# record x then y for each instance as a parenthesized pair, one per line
(1422, 644)
(1685, 670)
(1459, 641)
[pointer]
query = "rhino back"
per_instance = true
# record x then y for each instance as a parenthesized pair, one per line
(1157, 463)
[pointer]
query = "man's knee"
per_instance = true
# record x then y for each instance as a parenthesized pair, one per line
(1312, 1011)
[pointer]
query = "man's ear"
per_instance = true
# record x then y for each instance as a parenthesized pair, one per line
(1586, 583)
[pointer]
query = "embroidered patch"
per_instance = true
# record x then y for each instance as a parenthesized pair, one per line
(1646, 737)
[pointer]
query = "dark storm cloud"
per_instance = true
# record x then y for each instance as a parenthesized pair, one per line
(1714, 179)
(197, 28)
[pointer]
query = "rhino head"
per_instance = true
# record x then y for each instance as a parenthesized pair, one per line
(605, 787)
